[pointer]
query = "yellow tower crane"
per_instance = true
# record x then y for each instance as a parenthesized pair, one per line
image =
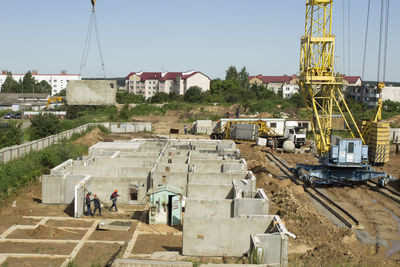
(344, 159)
(320, 85)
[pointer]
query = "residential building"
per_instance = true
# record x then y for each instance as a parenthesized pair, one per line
(57, 82)
(148, 84)
(288, 84)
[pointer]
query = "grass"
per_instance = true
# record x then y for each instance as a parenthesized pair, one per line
(22, 172)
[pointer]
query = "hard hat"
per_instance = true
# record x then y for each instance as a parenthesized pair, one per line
(116, 190)
(95, 195)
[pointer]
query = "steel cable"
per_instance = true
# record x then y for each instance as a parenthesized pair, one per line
(366, 40)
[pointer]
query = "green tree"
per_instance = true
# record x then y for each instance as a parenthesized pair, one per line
(231, 73)
(28, 83)
(194, 95)
(43, 87)
(63, 92)
(159, 98)
(243, 77)
(124, 113)
(10, 134)
(44, 125)
(128, 98)
(297, 100)
(10, 85)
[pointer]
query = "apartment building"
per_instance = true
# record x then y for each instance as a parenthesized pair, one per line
(57, 82)
(148, 84)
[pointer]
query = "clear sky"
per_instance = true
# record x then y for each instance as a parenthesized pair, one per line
(180, 35)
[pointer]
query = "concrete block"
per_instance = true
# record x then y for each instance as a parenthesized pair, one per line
(91, 92)
(209, 192)
(165, 255)
(115, 225)
(233, 167)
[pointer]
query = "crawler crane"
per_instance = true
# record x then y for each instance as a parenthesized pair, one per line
(343, 159)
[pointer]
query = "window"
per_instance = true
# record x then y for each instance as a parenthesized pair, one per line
(111, 85)
(273, 124)
(350, 147)
(55, 81)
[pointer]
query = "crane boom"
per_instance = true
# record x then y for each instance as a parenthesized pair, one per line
(321, 87)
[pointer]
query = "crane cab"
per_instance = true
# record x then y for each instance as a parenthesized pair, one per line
(348, 152)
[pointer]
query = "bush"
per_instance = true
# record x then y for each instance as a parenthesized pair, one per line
(128, 98)
(44, 125)
(194, 95)
(21, 172)
(10, 134)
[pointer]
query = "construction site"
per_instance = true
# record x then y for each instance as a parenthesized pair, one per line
(243, 190)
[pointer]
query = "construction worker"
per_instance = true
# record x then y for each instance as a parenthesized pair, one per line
(185, 128)
(88, 208)
(97, 205)
(113, 198)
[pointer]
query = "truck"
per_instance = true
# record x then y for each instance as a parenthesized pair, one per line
(276, 132)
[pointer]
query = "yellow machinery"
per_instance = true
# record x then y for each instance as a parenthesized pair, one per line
(343, 159)
(54, 100)
(322, 87)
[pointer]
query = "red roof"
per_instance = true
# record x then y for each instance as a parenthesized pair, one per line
(274, 79)
(162, 76)
(351, 79)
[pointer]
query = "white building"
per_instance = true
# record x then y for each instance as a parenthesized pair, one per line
(148, 84)
(57, 82)
(289, 89)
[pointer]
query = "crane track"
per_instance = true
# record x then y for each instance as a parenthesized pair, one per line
(387, 192)
(344, 216)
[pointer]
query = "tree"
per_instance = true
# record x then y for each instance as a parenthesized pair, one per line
(231, 73)
(124, 112)
(44, 125)
(243, 77)
(159, 98)
(10, 134)
(43, 87)
(63, 92)
(28, 83)
(297, 100)
(10, 85)
(194, 95)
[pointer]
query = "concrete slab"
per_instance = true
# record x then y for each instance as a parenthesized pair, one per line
(149, 263)
(91, 92)
(165, 255)
(115, 225)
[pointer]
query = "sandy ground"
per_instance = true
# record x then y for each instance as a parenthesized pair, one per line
(322, 241)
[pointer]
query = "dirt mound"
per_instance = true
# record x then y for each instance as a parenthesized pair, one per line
(92, 138)
(319, 242)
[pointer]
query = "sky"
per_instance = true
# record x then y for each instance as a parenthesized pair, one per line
(181, 35)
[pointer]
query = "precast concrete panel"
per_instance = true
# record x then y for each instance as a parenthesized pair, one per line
(209, 192)
(91, 92)
(51, 189)
(250, 206)
(221, 236)
(214, 178)
(209, 208)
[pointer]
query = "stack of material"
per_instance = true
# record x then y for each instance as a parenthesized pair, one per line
(244, 132)
(379, 142)
(202, 127)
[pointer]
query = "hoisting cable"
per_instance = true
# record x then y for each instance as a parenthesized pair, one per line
(92, 23)
(344, 38)
(366, 40)
(380, 41)
(386, 41)
(348, 37)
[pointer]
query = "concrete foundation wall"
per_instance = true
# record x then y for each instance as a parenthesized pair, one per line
(146, 162)
(104, 186)
(110, 171)
(250, 206)
(178, 179)
(91, 92)
(209, 192)
(209, 208)
(130, 127)
(220, 236)
(169, 167)
(214, 178)
(53, 189)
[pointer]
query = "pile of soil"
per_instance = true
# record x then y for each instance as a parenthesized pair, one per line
(47, 232)
(93, 138)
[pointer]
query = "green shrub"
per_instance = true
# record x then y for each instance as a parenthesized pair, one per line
(44, 125)
(21, 172)
(10, 134)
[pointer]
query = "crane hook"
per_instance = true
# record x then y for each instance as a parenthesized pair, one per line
(93, 3)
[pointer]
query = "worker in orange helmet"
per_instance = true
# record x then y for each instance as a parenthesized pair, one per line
(113, 198)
